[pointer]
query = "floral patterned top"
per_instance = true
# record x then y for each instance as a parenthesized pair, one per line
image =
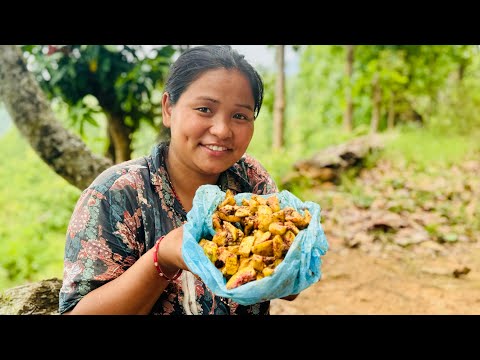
(124, 211)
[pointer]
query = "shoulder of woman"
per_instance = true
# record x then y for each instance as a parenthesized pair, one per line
(258, 176)
(116, 175)
(251, 162)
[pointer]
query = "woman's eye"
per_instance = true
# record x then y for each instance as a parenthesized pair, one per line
(241, 117)
(203, 109)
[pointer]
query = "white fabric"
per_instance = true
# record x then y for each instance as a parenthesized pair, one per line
(189, 297)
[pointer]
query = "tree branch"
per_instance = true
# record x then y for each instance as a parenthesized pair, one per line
(30, 110)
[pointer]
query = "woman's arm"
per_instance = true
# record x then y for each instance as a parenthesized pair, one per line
(140, 286)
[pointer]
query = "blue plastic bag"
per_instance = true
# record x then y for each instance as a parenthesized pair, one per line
(300, 268)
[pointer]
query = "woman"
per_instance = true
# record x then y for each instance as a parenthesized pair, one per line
(123, 247)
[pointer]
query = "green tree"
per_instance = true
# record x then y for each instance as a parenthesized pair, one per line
(30, 111)
(120, 79)
(386, 84)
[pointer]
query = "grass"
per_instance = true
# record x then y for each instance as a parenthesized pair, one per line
(36, 205)
(431, 148)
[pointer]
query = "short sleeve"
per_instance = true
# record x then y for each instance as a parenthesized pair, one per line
(102, 240)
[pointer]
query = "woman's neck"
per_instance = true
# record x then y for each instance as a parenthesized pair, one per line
(184, 181)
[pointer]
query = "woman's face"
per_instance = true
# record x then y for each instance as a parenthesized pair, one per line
(212, 122)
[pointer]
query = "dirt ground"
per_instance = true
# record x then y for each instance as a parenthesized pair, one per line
(358, 282)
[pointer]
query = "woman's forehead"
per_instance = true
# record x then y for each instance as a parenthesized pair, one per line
(218, 84)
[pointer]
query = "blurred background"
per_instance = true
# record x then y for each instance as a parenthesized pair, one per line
(383, 137)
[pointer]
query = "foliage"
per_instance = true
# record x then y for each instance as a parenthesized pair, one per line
(36, 205)
(119, 81)
(458, 103)
(316, 94)
(431, 148)
(414, 76)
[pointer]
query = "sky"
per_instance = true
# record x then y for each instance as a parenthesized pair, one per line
(262, 55)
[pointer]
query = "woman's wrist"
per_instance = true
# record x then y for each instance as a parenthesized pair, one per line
(164, 268)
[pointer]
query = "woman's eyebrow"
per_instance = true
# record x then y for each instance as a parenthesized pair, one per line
(245, 106)
(207, 98)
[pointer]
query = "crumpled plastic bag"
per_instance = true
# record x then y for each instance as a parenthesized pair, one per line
(300, 268)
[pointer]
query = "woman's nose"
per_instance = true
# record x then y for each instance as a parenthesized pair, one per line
(221, 127)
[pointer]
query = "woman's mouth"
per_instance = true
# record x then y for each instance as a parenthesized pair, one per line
(216, 147)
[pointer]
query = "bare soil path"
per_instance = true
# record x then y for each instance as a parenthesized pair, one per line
(355, 282)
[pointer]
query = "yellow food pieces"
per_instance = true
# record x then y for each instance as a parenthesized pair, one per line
(251, 239)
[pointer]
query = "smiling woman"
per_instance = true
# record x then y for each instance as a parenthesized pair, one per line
(124, 241)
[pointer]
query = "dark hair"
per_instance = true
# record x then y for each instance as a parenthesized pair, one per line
(198, 59)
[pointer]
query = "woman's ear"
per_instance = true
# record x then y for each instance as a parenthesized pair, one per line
(166, 109)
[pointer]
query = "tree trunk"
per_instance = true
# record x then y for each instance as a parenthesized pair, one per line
(391, 112)
(375, 104)
(348, 115)
(120, 136)
(110, 150)
(279, 106)
(30, 111)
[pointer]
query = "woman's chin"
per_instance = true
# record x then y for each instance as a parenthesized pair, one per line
(214, 170)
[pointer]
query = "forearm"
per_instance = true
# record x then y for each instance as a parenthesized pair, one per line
(139, 287)
(133, 292)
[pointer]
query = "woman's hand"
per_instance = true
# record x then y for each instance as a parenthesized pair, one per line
(139, 287)
(170, 252)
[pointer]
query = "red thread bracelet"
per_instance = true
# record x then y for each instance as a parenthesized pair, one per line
(157, 265)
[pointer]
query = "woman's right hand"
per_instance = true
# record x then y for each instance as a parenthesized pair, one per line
(169, 253)
(137, 289)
